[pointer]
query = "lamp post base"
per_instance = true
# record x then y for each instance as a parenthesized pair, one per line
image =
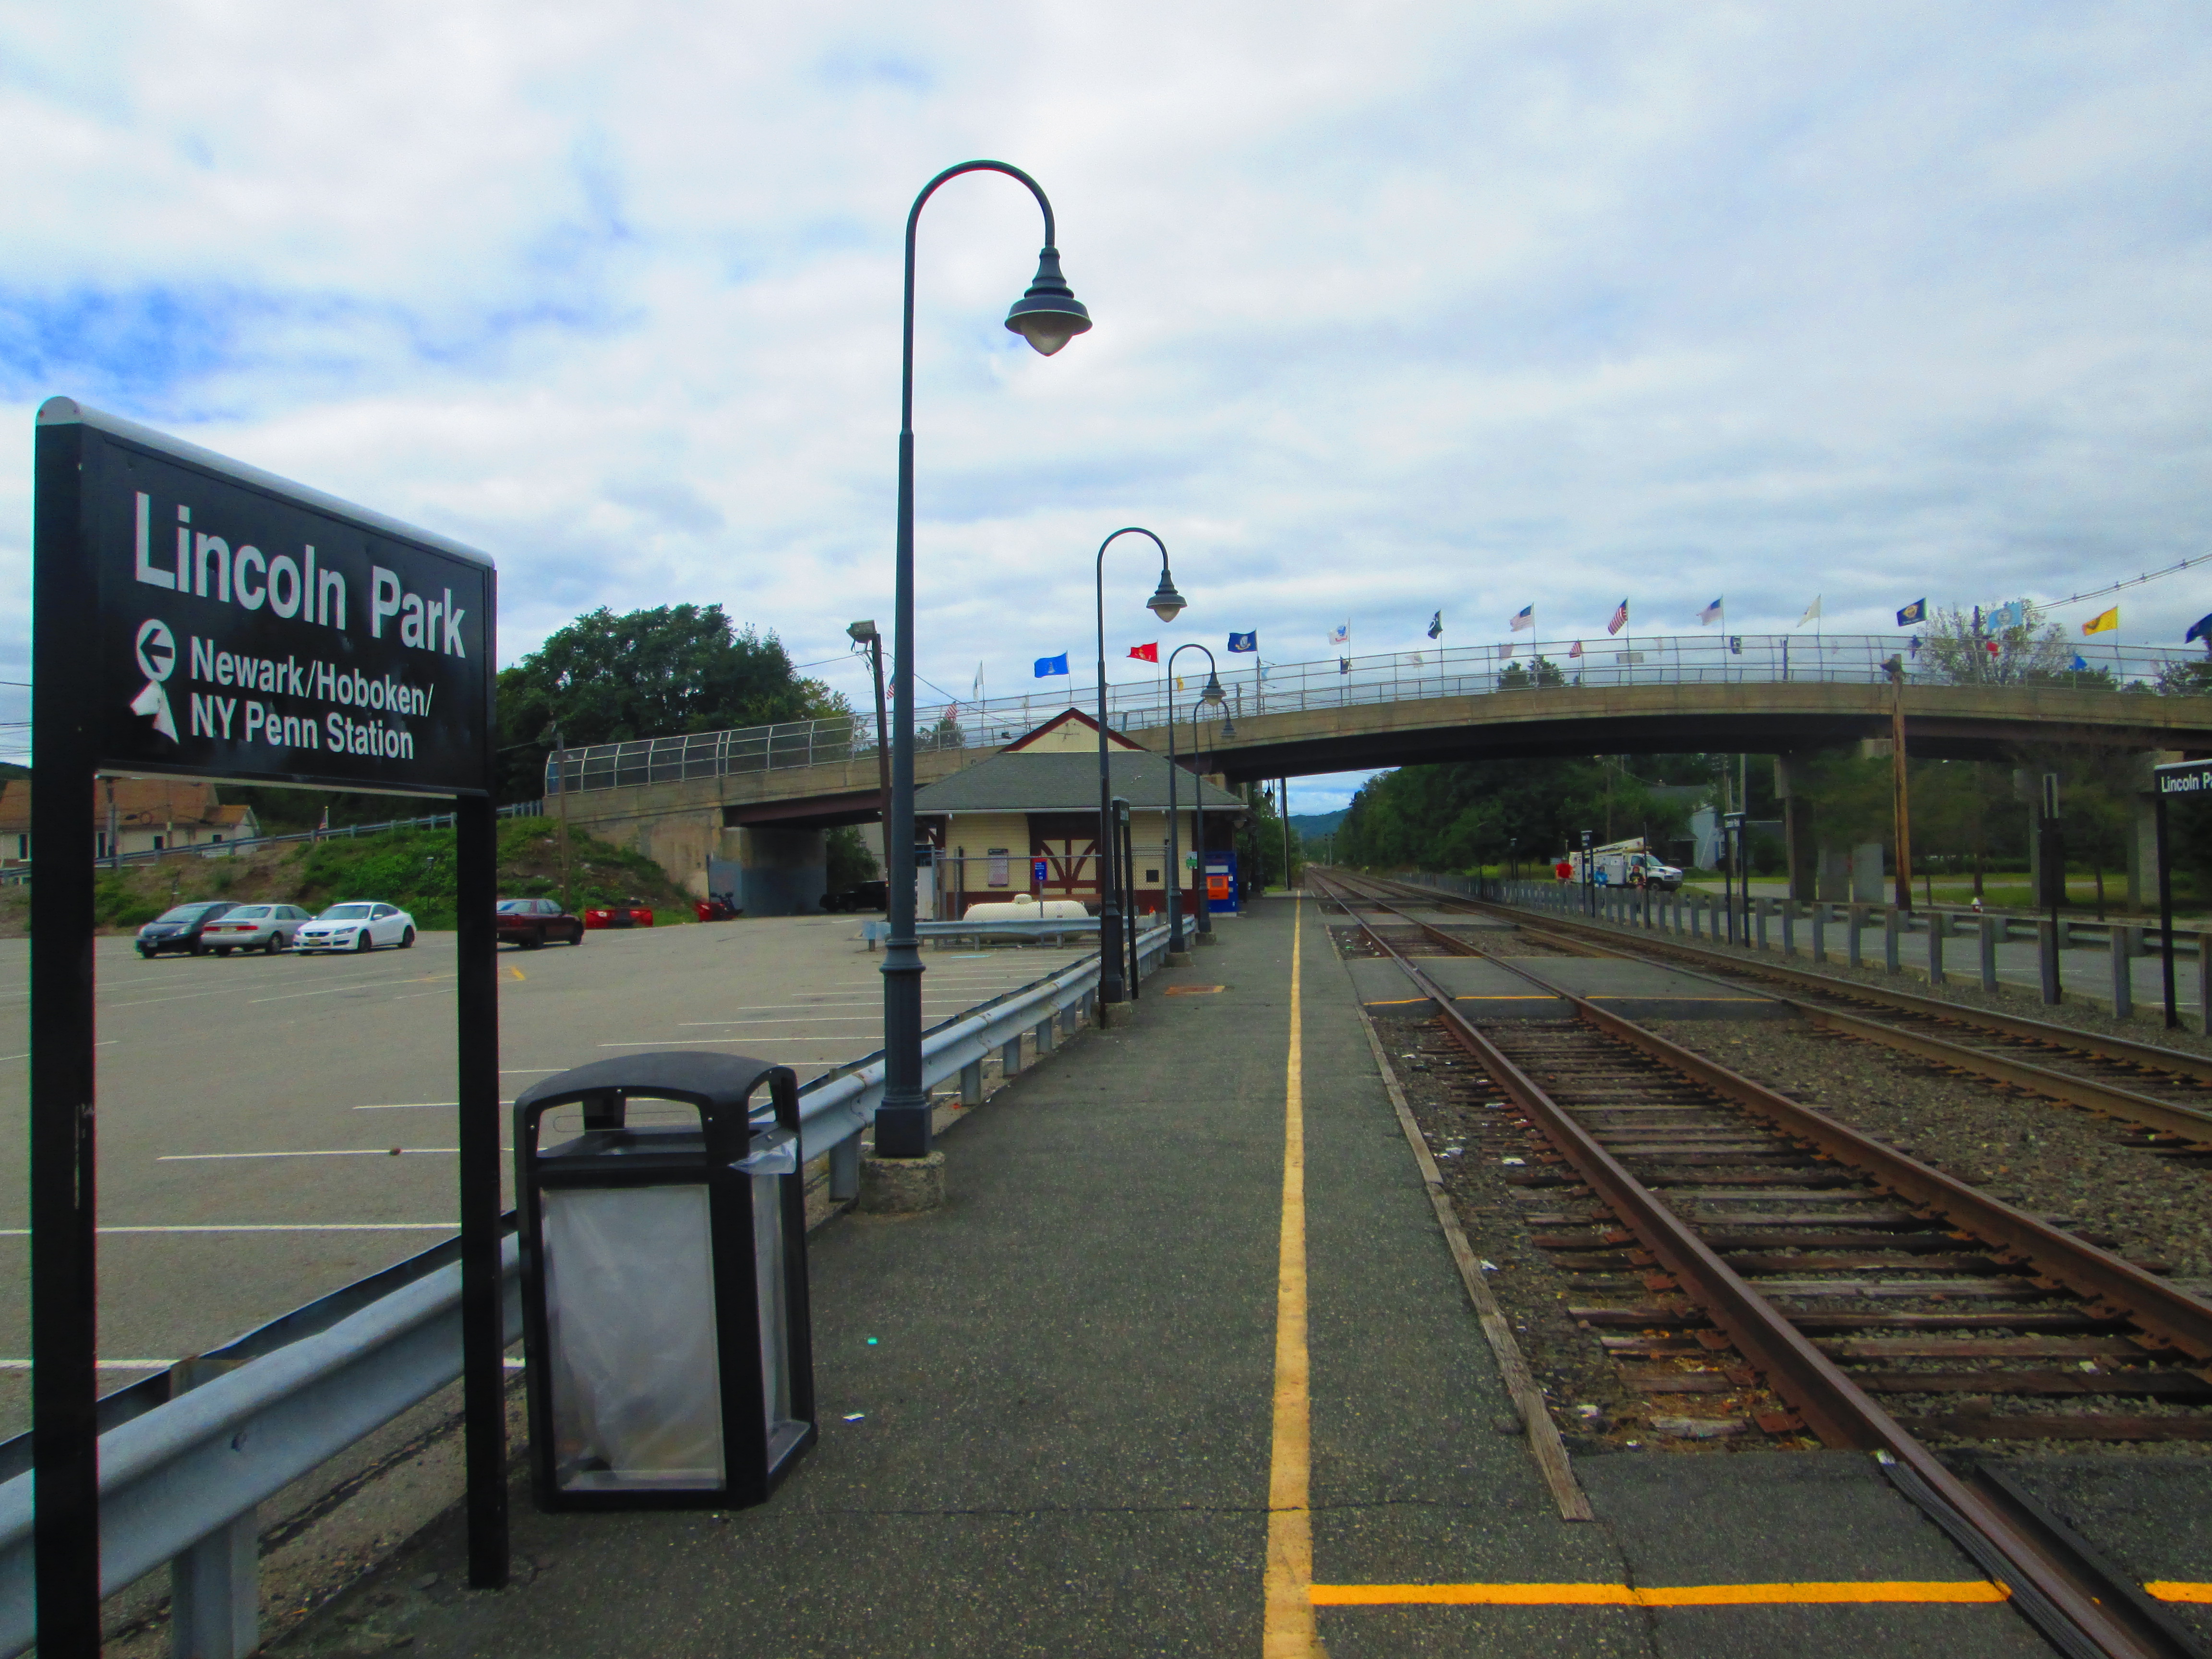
(1111, 1014)
(901, 1186)
(1208, 937)
(1178, 958)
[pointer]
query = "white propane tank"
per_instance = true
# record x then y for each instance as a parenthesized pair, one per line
(1023, 907)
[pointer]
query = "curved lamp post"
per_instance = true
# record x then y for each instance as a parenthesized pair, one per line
(1167, 604)
(1198, 754)
(1048, 316)
(1213, 696)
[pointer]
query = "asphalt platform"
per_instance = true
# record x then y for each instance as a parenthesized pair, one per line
(1147, 1386)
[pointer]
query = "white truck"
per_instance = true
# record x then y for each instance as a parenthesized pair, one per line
(1620, 864)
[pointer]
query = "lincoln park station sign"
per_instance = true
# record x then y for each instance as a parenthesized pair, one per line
(242, 627)
(194, 617)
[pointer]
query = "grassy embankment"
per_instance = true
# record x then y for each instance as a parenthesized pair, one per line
(410, 868)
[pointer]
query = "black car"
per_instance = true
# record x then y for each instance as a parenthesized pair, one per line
(861, 896)
(179, 927)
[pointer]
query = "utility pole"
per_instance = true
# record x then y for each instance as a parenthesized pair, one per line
(1284, 784)
(1900, 790)
(567, 887)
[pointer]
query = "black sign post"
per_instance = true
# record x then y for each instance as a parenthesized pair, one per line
(2187, 780)
(194, 617)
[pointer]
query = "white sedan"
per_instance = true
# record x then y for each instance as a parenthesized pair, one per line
(356, 925)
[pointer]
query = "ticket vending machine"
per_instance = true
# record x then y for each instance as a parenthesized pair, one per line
(1221, 882)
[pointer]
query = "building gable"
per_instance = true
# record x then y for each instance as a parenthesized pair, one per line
(1069, 731)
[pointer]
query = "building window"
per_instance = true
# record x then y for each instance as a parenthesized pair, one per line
(157, 843)
(23, 846)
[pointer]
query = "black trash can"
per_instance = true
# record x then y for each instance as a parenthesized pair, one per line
(664, 1280)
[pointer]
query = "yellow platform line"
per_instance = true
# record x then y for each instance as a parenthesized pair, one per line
(2165, 1589)
(1289, 1631)
(1662, 1595)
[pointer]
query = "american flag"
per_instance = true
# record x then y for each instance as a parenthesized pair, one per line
(1710, 614)
(1619, 618)
(1524, 617)
(1575, 649)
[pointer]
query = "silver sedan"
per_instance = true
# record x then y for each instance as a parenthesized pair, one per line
(267, 928)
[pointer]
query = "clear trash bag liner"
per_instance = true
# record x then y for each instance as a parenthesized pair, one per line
(629, 1300)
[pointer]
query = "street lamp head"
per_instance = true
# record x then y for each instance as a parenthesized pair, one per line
(1166, 604)
(1213, 696)
(861, 632)
(1049, 315)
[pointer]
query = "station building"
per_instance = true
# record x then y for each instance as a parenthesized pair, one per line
(1037, 799)
(133, 815)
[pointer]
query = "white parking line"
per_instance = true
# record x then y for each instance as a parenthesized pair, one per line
(100, 1365)
(670, 1042)
(786, 1019)
(353, 985)
(273, 1227)
(419, 1105)
(26, 1054)
(342, 1152)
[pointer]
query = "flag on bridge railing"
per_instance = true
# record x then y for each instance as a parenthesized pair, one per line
(1619, 618)
(1047, 666)
(1711, 614)
(1245, 641)
(1341, 634)
(2082, 667)
(1344, 664)
(1915, 612)
(2200, 629)
(1575, 650)
(1524, 617)
(2104, 623)
(1812, 612)
(1147, 653)
(1437, 626)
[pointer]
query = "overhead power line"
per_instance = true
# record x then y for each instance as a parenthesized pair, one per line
(2132, 581)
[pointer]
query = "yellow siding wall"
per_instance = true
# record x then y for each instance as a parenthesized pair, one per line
(977, 833)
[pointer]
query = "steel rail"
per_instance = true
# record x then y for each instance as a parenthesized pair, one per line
(2091, 1094)
(2066, 1599)
(2150, 1055)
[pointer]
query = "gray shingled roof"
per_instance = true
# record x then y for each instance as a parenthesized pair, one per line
(1027, 782)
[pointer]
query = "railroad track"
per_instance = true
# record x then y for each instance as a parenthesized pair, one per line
(2164, 1095)
(1735, 1247)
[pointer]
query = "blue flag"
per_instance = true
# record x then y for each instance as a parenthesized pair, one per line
(1047, 666)
(1916, 611)
(2200, 629)
(1251, 641)
(2082, 667)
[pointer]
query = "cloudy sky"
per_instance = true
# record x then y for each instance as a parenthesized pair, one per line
(1400, 307)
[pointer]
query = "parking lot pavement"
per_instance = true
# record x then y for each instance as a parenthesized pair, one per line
(271, 1128)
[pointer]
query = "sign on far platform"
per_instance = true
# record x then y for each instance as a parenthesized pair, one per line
(2184, 777)
(239, 626)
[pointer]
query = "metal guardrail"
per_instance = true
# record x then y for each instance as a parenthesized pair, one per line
(1521, 669)
(1795, 928)
(224, 849)
(183, 1469)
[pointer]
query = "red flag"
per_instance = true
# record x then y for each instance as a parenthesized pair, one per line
(1147, 653)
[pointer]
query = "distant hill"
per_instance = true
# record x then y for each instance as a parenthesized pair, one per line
(1312, 825)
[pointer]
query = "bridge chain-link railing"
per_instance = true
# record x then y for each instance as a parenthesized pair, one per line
(1519, 669)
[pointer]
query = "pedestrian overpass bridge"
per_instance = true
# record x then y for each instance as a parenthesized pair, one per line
(763, 794)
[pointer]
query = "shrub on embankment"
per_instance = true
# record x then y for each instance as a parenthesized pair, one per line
(410, 868)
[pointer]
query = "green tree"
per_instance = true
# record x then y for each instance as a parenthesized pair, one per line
(1515, 677)
(657, 673)
(1465, 814)
(1964, 649)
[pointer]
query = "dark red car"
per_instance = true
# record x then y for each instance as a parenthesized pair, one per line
(530, 922)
